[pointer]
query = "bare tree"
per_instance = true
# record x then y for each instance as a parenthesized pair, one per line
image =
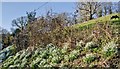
(20, 22)
(88, 9)
(31, 16)
(107, 7)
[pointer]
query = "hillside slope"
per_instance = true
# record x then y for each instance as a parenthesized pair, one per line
(98, 45)
(94, 21)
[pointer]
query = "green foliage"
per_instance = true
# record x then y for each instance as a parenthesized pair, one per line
(66, 58)
(89, 58)
(34, 62)
(74, 54)
(23, 64)
(6, 52)
(50, 55)
(56, 59)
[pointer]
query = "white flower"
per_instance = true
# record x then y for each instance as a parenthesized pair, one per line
(63, 50)
(22, 55)
(90, 44)
(37, 51)
(43, 62)
(28, 54)
(46, 65)
(23, 63)
(16, 56)
(110, 46)
(66, 57)
(13, 66)
(66, 46)
(37, 60)
(89, 58)
(50, 45)
(89, 55)
(73, 54)
(79, 43)
(24, 59)
(55, 59)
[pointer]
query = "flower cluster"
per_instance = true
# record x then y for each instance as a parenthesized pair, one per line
(5, 53)
(90, 45)
(89, 58)
(74, 54)
(80, 44)
(110, 48)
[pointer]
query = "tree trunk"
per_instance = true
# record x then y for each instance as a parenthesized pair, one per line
(90, 17)
(100, 13)
(110, 10)
(105, 11)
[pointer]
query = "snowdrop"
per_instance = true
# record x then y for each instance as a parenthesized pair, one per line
(89, 58)
(16, 56)
(23, 54)
(90, 45)
(66, 46)
(66, 57)
(43, 62)
(110, 48)
(80, 43)
(110, 45)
